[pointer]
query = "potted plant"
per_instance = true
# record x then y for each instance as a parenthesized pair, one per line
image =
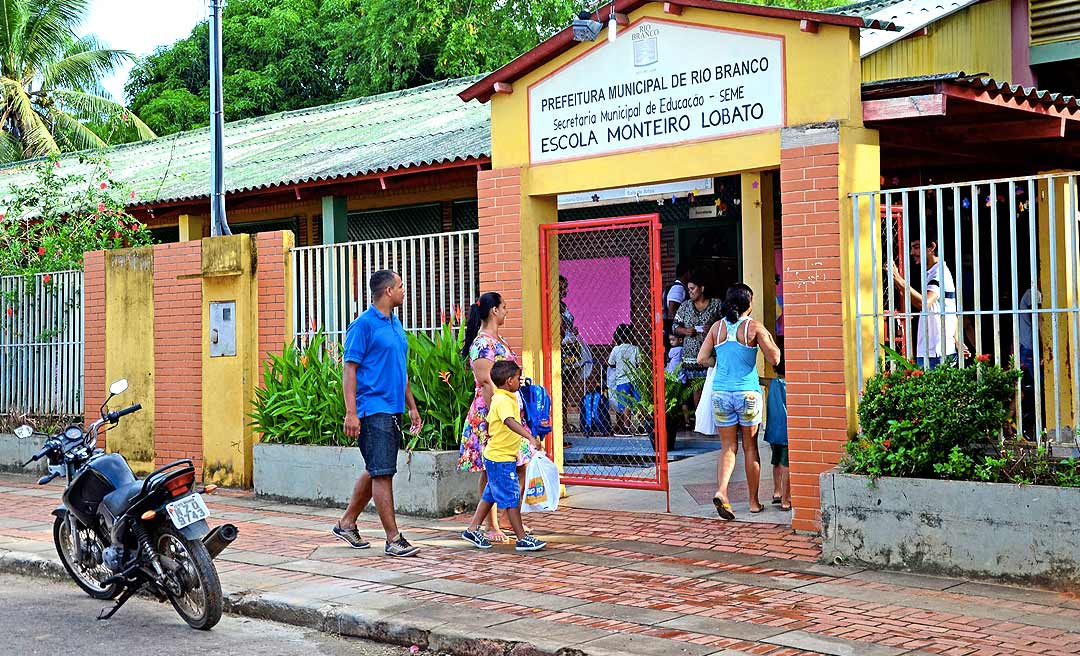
(305, 456)
(643, 407)
(937, 469)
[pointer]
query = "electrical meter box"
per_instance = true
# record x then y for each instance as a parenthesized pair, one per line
(222, 329)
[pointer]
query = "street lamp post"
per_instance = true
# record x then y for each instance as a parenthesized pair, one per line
(219, 225)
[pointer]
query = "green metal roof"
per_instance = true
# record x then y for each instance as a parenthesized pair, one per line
(415, 127)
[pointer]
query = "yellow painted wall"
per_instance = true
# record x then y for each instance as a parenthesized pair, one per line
(228, 382)
(1055, 228)
(975, 40)
(129, 351)
(860, 170)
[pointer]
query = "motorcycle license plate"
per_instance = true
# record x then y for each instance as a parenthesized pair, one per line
(187, 511)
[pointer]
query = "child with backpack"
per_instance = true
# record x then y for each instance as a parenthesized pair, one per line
(623, 359)
(505, 433)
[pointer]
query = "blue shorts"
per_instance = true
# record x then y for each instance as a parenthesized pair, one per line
(623, 394)
(502, 484)
(379, 442)
(731, 408)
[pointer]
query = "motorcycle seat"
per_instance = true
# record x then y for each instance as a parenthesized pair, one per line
(120, 500)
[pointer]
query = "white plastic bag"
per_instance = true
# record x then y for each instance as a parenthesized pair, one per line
(703, 417)
(541, 485)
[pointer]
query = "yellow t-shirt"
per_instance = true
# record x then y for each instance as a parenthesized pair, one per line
(503, 444)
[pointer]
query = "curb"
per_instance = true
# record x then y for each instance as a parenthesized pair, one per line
(336, 619)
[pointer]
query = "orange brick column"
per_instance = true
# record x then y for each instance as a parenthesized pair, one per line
(813, 317)
(499, 200)
(93, 302)
(274, 292)
(178, 352)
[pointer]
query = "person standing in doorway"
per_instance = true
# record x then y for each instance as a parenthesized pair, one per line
(677, 294)
(736, 392)
(940, 296)
(695, 318)
(377, 392)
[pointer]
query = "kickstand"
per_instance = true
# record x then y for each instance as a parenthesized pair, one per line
(128, 593)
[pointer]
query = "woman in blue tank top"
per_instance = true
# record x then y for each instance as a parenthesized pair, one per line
(736, 394)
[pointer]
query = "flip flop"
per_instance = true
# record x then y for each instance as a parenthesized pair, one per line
(776, 501)
(785, 508)
(723, 508)
(754, 512)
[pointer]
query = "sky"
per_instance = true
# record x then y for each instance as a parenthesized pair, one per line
(140, 27)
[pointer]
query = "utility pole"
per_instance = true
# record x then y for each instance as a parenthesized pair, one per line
(218, 224)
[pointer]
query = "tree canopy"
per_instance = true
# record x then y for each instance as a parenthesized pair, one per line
(51, 81)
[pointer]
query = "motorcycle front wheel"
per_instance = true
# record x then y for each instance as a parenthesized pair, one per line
(195, 591)
(86, 571)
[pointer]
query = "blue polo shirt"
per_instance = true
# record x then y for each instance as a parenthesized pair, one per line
(377, 344)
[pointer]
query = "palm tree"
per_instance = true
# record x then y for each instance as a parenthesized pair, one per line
(50, 79)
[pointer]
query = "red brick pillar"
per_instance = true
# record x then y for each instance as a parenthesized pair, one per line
(274, 293)
(813, 318)
(499, 201)
(93, 302)
(178, 352)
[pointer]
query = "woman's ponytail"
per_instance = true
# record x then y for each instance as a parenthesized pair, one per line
(736, 302)
(478, 314)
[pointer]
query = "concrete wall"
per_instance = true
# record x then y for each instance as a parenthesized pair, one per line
(960, 528)
(14, 452)
(427, 484)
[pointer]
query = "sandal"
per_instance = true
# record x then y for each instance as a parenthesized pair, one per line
(723, 508)
(777, 501)
(785, 508)
(760, 509)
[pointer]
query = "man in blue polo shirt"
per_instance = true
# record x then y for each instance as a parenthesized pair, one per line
(376, 388)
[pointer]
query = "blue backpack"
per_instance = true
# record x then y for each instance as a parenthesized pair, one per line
(537, 404)
(595, 419)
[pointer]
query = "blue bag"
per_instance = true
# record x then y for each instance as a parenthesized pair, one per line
(537, 404)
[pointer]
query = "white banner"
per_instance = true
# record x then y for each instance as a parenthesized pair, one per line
(660, 83)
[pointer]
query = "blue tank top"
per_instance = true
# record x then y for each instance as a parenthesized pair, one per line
(736, 364)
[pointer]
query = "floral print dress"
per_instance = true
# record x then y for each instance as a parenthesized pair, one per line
(475, 434)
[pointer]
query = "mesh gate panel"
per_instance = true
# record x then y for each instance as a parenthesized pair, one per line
(603, 306)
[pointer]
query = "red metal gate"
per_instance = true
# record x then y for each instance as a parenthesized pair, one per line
(602, 295)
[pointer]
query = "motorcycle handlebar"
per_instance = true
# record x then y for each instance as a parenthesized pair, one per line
(115, 416)
(37, 456)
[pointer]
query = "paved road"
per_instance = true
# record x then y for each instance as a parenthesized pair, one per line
(49, 618)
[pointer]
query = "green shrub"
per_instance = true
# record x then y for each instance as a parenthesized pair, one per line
(442, 385)
(301, 399)
(947, 423)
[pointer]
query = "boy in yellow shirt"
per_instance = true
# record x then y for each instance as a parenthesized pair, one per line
(500, 459)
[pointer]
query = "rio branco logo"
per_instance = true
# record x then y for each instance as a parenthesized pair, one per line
(645, 38)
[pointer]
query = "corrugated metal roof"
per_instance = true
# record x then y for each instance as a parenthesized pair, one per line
(415, 127)
(909, 15)
(978, 82)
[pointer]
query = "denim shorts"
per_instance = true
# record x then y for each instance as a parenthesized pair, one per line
(379, 442)
(502, 488)
(731, 408)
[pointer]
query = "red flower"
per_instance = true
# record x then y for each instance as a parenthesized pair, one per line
(10, 312)
(133, 194)
(915, 373)
(116, 234)
(41, 251)
(101, 207)
(887, 443)
(104, 185)
(58, 165)
(2, 217)
(983, 357)
(47, 279)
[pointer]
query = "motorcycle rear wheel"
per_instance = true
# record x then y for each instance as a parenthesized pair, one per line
(89, 579)
(199, 603)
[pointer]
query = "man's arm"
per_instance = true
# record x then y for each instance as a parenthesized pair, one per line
(348, 385)
(414, 413)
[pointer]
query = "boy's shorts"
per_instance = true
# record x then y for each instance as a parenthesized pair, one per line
(731, 408)
(779, 455)
(502, 484)
(623, 394)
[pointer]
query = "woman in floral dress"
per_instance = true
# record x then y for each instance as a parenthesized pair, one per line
(483, 348)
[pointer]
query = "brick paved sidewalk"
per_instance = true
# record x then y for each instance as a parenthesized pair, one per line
(610, 583)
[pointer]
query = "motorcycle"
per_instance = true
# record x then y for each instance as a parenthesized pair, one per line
(116, 534)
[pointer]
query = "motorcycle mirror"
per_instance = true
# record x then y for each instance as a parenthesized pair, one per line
(118, 387)
(23, 432)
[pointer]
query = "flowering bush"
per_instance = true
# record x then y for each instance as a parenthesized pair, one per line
(442, 385)
(48, 224)
(912, 420)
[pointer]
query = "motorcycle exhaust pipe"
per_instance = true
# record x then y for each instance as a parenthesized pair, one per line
(219, 538)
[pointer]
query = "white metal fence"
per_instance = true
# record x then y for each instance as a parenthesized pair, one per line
(41, 344)
(1008, 285)
(440, 272)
